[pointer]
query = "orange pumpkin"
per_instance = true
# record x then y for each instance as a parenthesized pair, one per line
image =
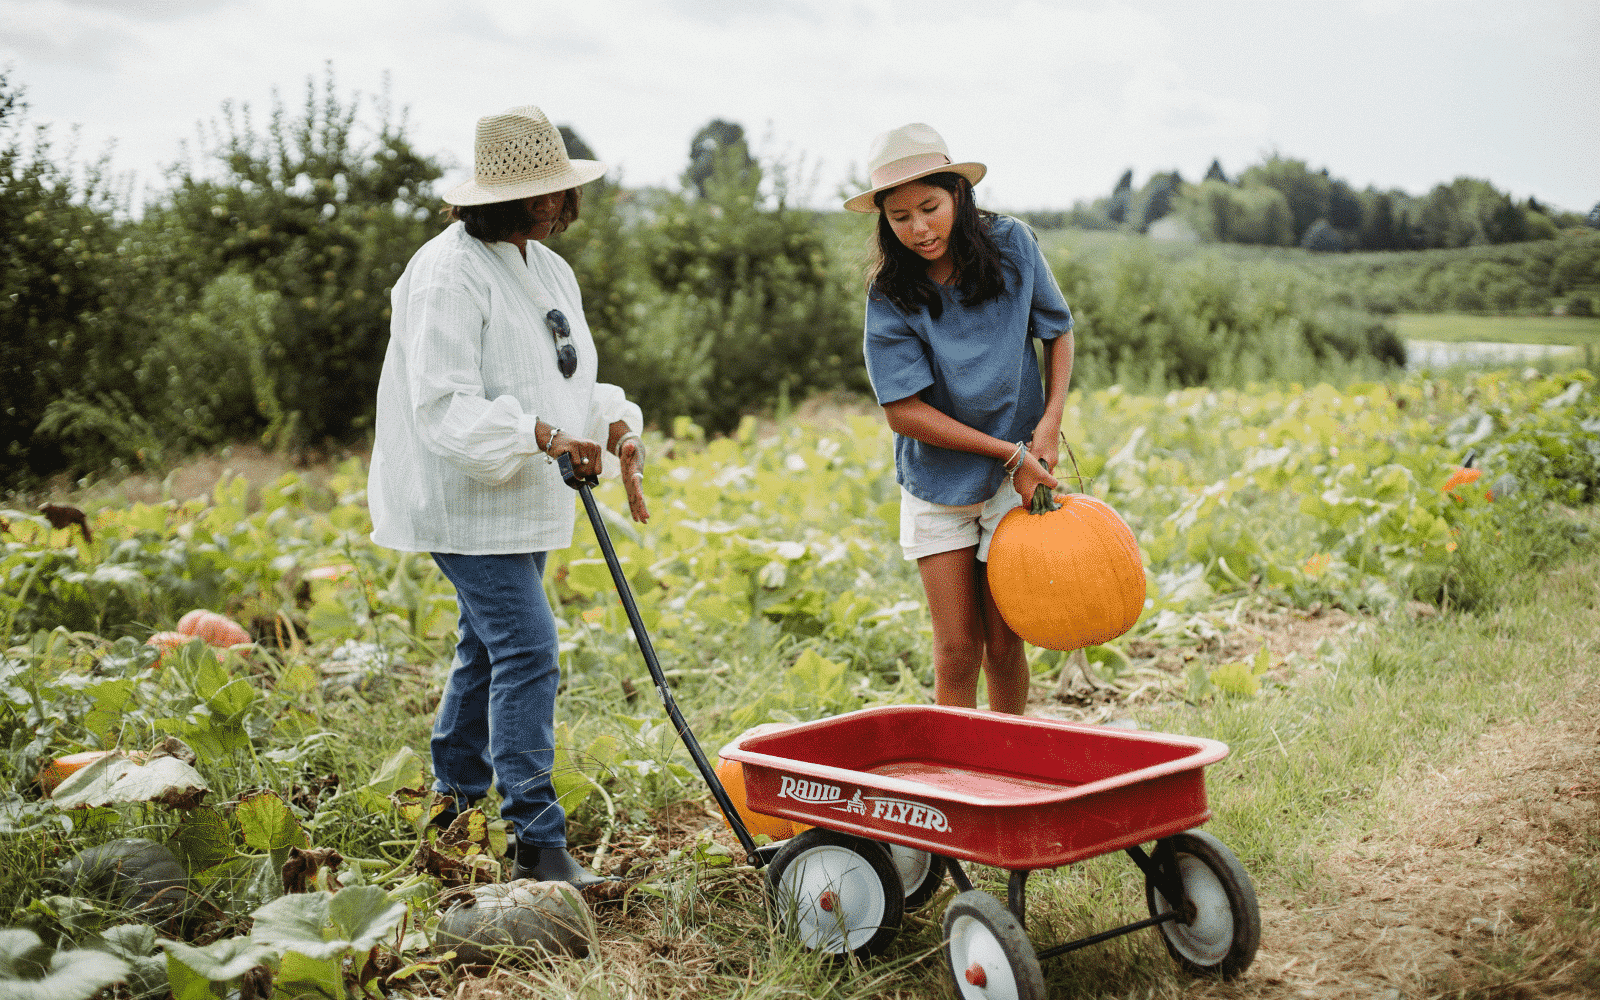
(215, 629)
(1065, 572)
(166, 642)
(1465, 476)
(54, 773)
(731, 774)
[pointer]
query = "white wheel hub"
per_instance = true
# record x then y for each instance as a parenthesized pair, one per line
(1207, 938)
(837, 899)
(985, 972)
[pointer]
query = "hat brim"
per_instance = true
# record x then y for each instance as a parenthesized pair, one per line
(578, 173)
(864, 202)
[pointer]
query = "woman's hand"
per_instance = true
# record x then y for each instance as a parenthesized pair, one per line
(585, 454)
(631, 453)
(1029, 475)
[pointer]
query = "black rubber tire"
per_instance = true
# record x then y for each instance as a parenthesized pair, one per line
(926, 871)
(1222, 938)
(867, 904)
(980, 932)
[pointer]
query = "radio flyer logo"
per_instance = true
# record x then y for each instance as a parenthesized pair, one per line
(901, 811)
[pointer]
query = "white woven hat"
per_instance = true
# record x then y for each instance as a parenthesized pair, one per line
(904, 154)
(519, 154)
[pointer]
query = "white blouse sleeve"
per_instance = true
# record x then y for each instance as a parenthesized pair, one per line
(488, 440)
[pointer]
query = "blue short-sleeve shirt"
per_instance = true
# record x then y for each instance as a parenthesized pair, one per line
(973, 363)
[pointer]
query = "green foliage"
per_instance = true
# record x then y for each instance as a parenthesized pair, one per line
(1522, 277)
(1222, 213)
(319, 220)
(63, 290)
(710, 306)
(1147, 321)
(249, 300)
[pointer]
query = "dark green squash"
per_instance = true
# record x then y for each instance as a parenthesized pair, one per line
(133, 873)
(509, 922)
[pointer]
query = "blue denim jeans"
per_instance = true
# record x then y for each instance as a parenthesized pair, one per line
(496, 721)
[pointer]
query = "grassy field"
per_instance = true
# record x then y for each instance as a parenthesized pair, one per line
(1411, 695)
(1575, 331)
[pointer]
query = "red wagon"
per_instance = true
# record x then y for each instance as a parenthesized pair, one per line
(900, 795)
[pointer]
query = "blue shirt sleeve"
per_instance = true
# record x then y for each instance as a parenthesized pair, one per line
(1049, 316)
(897, 358)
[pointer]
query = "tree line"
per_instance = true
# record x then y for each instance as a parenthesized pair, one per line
(1284, 202)
(248, 298)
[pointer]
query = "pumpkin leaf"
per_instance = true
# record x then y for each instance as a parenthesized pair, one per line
(218, 962)
(360, 916)
(268, 824)
(301, 975)
(118, 779)
(71, 975)
(1236, 678)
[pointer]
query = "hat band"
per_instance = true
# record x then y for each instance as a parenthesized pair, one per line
(889, 173)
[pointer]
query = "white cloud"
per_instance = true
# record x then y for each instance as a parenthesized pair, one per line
(1057, 97)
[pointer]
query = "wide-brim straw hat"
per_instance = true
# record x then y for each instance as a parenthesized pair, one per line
(519, 154)
(905, 154)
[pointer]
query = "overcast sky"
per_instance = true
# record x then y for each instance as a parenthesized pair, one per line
(1058, 98)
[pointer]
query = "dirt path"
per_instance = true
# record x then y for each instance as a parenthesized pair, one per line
(1471, 863)
(1476, 853)
(1475, 865)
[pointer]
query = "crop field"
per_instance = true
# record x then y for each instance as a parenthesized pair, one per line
(293, 787)
(1573, 331)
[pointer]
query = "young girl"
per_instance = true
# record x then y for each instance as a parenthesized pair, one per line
(955, 297)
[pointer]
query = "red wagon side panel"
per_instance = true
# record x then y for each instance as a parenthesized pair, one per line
(1001, 790)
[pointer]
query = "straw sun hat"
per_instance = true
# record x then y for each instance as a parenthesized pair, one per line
(904, 154)
(519, 154)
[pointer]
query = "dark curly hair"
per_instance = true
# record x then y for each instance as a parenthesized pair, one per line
(901, 276)
(494, 222)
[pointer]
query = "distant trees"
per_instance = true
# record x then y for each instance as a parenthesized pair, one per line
(719, 145)
(1282, 201)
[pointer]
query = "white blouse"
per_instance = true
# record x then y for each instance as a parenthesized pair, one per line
(470, 370)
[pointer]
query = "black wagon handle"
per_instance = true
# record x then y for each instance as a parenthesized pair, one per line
(584, 485)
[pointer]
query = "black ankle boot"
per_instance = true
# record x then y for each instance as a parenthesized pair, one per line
(553, 864)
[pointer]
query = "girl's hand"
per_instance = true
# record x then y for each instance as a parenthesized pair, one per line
(585, 454)
(631, 453)
(1046, 446)
(1029, 475)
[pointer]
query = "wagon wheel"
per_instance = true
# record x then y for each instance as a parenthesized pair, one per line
(921, 873)
(837, 893)
(987, 951)
(1221, 936)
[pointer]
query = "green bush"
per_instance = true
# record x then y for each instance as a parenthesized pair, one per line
(1145, 321)
(711, 306)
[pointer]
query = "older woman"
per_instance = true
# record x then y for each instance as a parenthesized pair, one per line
(489, 376)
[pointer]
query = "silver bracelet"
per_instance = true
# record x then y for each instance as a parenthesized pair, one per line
(1015, 461)
(554, 430)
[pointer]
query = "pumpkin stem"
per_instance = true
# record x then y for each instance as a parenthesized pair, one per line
(1043, 502)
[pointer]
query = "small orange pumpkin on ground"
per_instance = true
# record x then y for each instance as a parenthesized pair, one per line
(215, 629)
(54, 773)
(731, 774)
(1465, 476)
(1065, 572)
(166, 642)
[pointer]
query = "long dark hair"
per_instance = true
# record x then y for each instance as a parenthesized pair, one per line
(495, 221)
(897, 273)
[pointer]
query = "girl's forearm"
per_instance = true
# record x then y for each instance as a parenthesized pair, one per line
(1058, 355)
(914, 418)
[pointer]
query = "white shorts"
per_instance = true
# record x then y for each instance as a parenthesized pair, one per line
(927, 529)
